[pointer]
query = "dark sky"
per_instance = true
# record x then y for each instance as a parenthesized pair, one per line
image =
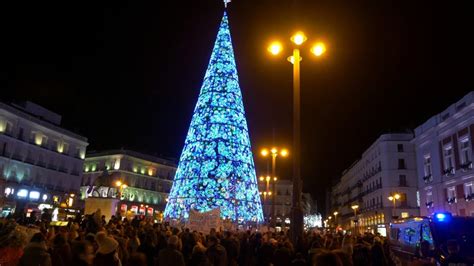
(127, 74)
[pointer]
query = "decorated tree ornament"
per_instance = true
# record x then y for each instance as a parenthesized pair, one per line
(216, 167)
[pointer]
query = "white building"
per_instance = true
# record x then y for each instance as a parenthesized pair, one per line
(40, 162)
(444, 147)
(148, 180)
(386, 168)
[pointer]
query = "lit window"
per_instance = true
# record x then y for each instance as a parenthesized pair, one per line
(22, 193)
(451, 193)
(117, 164)
(34, 195)
(405, 215)
(468, 189)
(465, 151)
(9, 191)
(448, 157)
(429, 196)
(5, 126)
(427, 165)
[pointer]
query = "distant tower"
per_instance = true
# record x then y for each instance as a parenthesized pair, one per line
(216, 167)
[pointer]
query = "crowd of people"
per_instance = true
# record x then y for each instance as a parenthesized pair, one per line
(90, 240)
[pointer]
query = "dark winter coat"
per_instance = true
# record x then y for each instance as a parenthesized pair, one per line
(170, 256)
(35, 254)
(217, 255)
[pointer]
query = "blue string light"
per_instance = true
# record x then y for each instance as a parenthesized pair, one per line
(216, 167)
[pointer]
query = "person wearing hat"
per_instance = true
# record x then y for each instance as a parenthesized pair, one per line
(107, 252)
(36, 252)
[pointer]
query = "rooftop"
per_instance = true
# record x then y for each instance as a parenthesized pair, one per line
(41, 116)
(146, 157)
(439, 118)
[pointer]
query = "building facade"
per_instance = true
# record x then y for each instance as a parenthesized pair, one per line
(40, 162)
(145, 181)
(283, 199)
(281, 193)
(361, 197)
(444, 146)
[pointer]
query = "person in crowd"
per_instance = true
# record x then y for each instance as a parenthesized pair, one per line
(87, 241)
(171, 256)
(107, 252)
(36, 252)
(198, 256)
(12, 242)
(454, 258)
(377, 252)
(361, 255)
(82, 253)
(215, 252)
(61, 252)
(283, 254)
(232, 248)
(327, 258)
(137, 259)
(148, 249)
(299, 260)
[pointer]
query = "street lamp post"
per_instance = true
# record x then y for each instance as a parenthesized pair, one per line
(355, 207)
(335, 218)
(267, 190)
(393, 198)
(274, 152)
(318, 49)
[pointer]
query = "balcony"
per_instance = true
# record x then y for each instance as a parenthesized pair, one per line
(17, 157)
(372, 173)
(466, 166)
(448, 172)
(469, 197)
(63, 170)
(44, 146)
(428, 179)
(451, 200)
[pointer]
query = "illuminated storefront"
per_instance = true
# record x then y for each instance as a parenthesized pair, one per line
(29, 200)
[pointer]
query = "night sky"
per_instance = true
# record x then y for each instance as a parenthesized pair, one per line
(128, 74)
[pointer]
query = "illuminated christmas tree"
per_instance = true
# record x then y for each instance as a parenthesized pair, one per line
(216, 168)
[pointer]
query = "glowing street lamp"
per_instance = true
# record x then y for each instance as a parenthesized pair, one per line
(275, 48)
(274, 152)
(355, 207)
(317, 50)
(299, 38)
(120, 187)
(393, 198)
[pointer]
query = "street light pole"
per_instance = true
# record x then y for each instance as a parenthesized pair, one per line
(356, 221)
(318, 49)
(394, 199)
(274, 155)
(297, 212)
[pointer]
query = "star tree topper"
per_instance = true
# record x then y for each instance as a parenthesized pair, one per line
(226, 2)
